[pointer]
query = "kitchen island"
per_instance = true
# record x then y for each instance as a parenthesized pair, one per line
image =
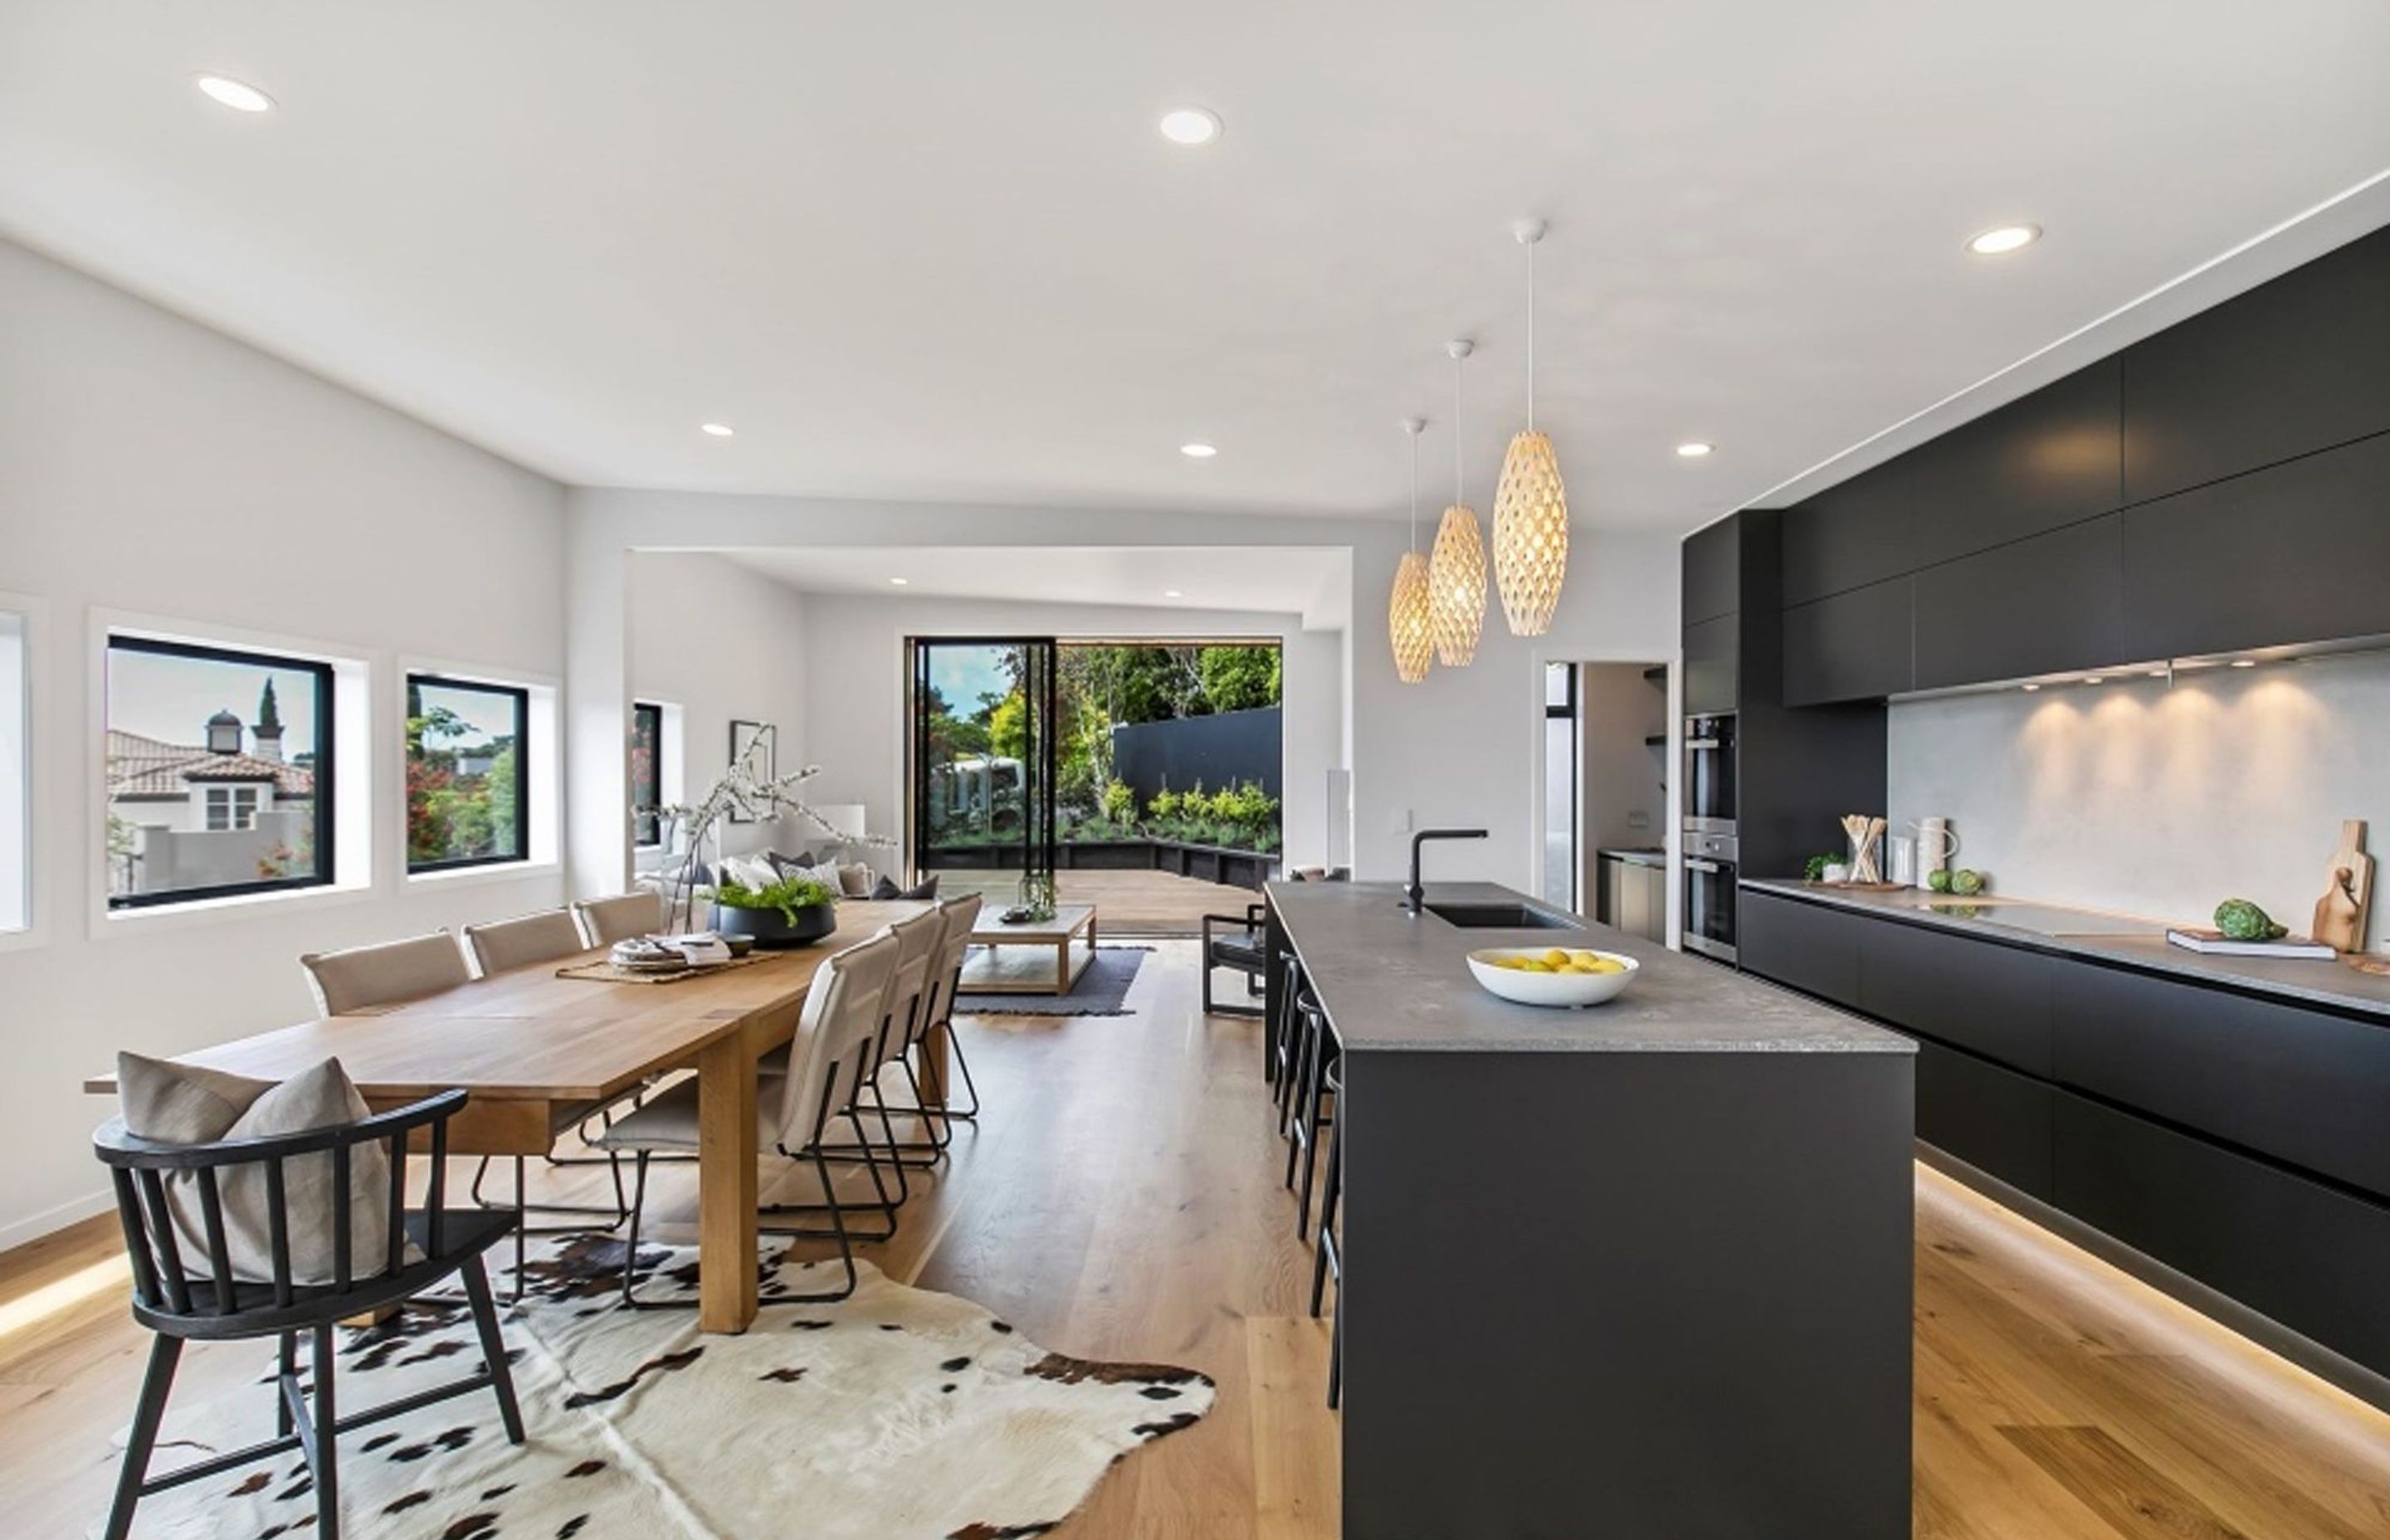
(1642, 1269)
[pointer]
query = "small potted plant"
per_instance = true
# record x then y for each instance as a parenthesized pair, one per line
(795, 911)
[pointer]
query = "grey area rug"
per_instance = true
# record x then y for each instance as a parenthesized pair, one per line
(897, 1414)
(1103, 990)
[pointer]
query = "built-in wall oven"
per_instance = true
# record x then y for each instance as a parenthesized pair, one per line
(1709, 774)
(1709, 894)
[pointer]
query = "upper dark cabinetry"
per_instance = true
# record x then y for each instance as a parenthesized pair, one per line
(2216, 488)
(2035, 465)
(1713, 573)
(2293, 367)
(1851, 535)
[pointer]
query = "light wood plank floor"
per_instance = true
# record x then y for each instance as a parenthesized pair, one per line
(1122, 1200)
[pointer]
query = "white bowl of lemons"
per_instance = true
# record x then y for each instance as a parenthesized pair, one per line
(1552, 976)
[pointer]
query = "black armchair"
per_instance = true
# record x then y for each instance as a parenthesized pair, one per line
(204, 1298)
(1244, 949)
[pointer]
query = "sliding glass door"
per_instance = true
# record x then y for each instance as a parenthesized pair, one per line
(986, 722)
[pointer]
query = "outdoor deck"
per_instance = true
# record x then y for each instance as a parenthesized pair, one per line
(1127, 902)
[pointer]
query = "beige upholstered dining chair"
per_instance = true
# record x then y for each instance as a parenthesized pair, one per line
(836, 1044)
(605, 921)
(359, 977)
(505, 944)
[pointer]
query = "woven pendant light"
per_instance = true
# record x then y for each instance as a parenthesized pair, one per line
(1531, 518)
(1410, 623)
(1456, 570)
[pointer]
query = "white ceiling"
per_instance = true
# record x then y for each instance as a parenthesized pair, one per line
(1282, 580)
(940, 252)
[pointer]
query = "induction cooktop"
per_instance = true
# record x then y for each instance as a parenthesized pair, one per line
(2043, 919)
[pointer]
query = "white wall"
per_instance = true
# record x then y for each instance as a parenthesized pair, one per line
(722, 643)
(154, 467)
(854, 656)
(2158, 801)
(1461, 748)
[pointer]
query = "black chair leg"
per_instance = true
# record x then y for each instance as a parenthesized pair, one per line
(1336, 1353)
(1310, 1137)
(165, 1354)
(493, 1347)
(323, 1449)
(288, 1378)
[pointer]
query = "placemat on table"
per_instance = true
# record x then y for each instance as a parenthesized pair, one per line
(605, 972)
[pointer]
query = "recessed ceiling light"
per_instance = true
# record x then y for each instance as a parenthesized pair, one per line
(2245, 662)
(1696, 450)
(1191, 125)
(719, 430)
(1196, 451)
(1999, 241)
(2157, 673)
(238, 94)
(2095, 679)
(900, 581)
(1172, 594)
(2030, 688)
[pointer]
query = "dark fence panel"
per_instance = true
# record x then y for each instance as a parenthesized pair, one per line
(1226, 750)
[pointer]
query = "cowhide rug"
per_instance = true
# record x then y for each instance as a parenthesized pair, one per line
(894, 1414)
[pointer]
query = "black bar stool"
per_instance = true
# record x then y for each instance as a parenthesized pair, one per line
(1278, 1062)
(1315, 1055)
(1327, 1251)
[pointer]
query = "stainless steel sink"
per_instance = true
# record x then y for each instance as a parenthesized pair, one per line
(1500, 916)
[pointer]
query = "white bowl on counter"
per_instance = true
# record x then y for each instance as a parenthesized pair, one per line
(1549, 989)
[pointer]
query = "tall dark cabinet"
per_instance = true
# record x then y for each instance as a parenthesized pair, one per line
(1796, 771)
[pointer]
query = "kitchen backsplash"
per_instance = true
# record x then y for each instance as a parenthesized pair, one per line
(2130, 795)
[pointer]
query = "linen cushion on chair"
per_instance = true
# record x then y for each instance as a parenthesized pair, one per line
(605, 921)
(185, 1104)
(505, 944)
(364, 976)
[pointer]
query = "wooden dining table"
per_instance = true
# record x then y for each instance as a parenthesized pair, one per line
(530, 1047)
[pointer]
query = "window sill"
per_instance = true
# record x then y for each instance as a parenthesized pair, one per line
(107, 924)
(475, 877)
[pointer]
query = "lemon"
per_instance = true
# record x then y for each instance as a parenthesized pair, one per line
(1556, 957)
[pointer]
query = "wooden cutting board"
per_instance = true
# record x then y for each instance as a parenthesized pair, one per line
(2341, 913)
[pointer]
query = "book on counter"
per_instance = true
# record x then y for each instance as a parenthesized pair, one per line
(2217, 944)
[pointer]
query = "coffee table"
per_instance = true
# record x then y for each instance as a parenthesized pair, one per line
(1043, 957)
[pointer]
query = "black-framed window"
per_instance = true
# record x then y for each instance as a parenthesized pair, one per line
(646, 773)
(219, 769)
(467, 785)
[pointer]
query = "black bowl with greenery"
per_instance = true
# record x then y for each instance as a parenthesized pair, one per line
(795, 911)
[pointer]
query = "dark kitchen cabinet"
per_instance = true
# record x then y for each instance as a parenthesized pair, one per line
(2291, 366)
(2294, 553)
(2314, 1258)
(1850, 535)
(2046, 604)
(1712, 665)
(1989, 999)
(1809, 946)
(1850, 647)
(2301, 1085)
(1712, 576)
(1992, 1119)
(2052, 459)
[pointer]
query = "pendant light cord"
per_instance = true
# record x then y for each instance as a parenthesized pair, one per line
(1415, 492)
(1457, 435)
(1531, 336)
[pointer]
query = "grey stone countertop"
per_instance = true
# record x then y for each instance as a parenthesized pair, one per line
(2128, 940)
(1390, 979)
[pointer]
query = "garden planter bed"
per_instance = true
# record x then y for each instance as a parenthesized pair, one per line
(1237, 868)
